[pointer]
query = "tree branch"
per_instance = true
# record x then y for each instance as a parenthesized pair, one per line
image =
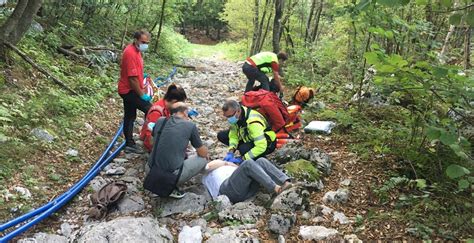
(454, 9)
(39, 68)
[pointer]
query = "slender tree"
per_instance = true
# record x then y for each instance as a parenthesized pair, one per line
(161, 25)
(277, 25)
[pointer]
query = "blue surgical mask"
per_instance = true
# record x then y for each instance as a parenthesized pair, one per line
(232, 120)
(143, 47)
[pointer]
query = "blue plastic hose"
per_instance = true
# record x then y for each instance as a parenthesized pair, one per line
(59, 203)
(166, 79)
(43, 208)
(52, 206)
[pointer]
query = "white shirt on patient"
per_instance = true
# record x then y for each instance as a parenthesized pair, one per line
(214, 179)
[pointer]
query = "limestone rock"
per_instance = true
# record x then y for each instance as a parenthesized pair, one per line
(222, 202)
(243, 211)
(72, 152)
(130, 204)
(44, 237)
(290, 200)
(295, 151)
(24, 192)
(190, 235)
(66, 229)
(317, 233)
(352, 239)
(190, 203)
(123, 230)
(280, 224)
(339, 196)
(199, 222)
(341, 218)
(42, 134)
(97, 183)
(229, 235)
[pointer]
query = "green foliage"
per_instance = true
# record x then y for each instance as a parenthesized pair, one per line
(302, 170)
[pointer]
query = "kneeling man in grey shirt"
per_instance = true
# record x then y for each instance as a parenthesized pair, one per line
(169, 152)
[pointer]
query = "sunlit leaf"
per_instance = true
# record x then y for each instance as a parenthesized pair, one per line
(463, 184)
(433, 133)
(455, 171)
(448, 138)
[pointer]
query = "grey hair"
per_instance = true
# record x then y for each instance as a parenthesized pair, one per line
(230, 104)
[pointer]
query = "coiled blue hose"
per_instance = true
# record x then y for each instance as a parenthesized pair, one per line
(54, 205)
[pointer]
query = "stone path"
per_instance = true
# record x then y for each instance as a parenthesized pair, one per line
(139, 218)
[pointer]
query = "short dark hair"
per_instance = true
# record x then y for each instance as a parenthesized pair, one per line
(230, 104)
(282, 55)
(139, 34)
(181, 108)
(175, 92)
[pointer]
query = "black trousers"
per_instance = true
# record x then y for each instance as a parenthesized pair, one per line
(132, 102)
(223, 137)
(253, 74)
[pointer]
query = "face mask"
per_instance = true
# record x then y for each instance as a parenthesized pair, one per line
(143, 47)
(232, 120)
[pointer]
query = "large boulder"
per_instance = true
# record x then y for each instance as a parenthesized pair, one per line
(295, 151)
(317, 233)
(245, 212)
(304, 171)
(189, 204)
(291, 200)
(124, 229)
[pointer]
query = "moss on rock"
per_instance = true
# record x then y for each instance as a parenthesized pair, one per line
(302, 170)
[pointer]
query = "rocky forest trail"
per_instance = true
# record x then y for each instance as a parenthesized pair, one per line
(302, 213)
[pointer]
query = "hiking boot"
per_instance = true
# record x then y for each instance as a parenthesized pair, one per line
(177, 194)
(133, 149)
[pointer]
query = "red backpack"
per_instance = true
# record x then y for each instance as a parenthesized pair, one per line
(269, 105)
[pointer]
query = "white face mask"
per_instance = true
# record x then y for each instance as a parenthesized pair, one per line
(143, 47)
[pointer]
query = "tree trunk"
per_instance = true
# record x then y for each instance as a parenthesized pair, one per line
(266, 32)
(310, 18)
(316, 22)
(255, 29)
(277, 25)
(467, 48)
(18, 23)
(161, 25)
(261, 40)
(444, 50)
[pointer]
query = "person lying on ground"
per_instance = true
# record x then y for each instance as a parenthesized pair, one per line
(161, 108)
(243, 182)
(168, 154)
(249, 133)
(257, 66)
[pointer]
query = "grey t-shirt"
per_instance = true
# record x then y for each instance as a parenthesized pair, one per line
(169, 152)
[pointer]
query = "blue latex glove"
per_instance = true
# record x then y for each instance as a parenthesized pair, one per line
(151, 125)
(193, 112)
(146, 97)
(229, 156)
(236, 160)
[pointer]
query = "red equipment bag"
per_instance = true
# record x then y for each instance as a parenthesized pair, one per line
(269, 105)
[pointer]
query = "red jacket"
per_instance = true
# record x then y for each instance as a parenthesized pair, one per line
(156, 111)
